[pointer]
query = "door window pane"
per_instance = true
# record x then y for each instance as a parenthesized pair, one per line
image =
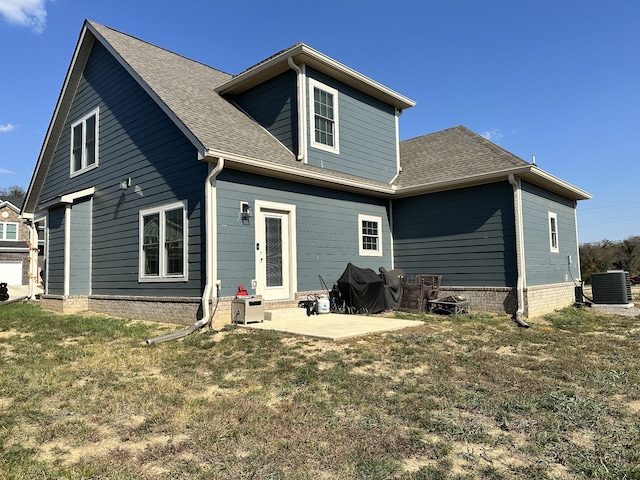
(273, 237)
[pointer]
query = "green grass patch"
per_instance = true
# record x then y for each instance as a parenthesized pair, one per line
(463, 397)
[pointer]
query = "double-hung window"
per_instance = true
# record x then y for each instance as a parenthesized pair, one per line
(8, 231)
(84, 143)
(370, 235)
(553, 232)
(163, 243)
(324, 111)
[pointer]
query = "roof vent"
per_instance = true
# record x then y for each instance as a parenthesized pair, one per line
(611, 288)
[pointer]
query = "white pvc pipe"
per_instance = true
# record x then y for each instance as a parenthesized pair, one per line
(517, 207)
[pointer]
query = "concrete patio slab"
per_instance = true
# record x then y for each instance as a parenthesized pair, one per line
(331, 326)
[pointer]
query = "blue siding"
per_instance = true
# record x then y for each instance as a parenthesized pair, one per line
(543, 266)
(467, 236)
(138, 141)
(327, 229)
(273, 104)
(367, 134)
(54, 268)
(80, 249)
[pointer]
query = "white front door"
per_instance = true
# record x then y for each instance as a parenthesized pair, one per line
(275, 250)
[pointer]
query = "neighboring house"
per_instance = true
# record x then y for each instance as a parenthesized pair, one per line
(165, 183)
(14, 250)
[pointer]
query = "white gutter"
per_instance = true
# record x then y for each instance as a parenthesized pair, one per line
(398, 166)
(211, 256)
(393, 247)
(301, 90)
(210, 232)
(517, 210)
(285, 171)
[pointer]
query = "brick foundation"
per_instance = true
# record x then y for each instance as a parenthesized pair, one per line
(187, 310)
(65, 304)
(547, 298)
(485, 299)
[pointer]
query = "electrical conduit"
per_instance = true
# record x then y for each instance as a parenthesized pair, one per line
(210, 258)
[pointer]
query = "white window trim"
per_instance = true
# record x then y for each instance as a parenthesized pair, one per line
(336, 117)
(163, 277)
(361, 250)
(553, 248)
(3, 235)
(84, 168)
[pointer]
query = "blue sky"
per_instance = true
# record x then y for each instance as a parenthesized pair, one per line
(558, 79)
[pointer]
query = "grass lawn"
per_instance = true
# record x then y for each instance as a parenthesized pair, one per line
(457, 398)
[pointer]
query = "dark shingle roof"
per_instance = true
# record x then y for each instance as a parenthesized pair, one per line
(452, 154)
(15, 201)
(187, 88)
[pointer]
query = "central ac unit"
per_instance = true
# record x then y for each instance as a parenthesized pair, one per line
(611, 288)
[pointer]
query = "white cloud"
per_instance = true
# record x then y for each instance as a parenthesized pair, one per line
(494, 135)
(2, 170)
(27, 13)
(8, 127)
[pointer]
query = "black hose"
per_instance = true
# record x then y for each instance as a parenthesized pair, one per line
(175, 335)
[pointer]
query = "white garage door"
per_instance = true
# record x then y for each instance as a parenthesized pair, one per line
(11, 273)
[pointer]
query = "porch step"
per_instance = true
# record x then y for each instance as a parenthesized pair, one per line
(285, 314)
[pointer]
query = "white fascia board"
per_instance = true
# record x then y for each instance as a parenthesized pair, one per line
(304, 54)
(10, 205)
(68, 198)
(528, 172)
(327, 178)
(78, 61)
(491, 177)
(547, 179)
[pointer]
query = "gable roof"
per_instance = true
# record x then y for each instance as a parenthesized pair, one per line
(457, 157)
(304, 54)
(14, 203)
(186, 91)
(190, 93)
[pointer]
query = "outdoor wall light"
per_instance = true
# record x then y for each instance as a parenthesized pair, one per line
(126, 183)
(245, 211)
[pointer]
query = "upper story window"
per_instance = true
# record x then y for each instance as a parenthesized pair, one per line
(553, 232)
(84, 143)
(370, 234)
(8, 231)
(163, 243)
(324, 110)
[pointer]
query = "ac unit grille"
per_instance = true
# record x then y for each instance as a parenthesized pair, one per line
(611, 288)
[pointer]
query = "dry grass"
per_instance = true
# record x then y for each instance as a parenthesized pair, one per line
(466, 397)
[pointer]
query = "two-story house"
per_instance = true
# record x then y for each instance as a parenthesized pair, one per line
(165, 183)
(14, 249)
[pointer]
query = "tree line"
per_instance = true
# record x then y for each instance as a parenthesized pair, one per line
(609, 255)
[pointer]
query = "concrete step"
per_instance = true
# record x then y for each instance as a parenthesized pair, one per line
(286, 314)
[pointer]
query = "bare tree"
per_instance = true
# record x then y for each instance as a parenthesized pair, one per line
(14, 191)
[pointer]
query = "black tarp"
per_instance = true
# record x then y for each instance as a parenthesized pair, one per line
(362, 288)
(392, 287)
